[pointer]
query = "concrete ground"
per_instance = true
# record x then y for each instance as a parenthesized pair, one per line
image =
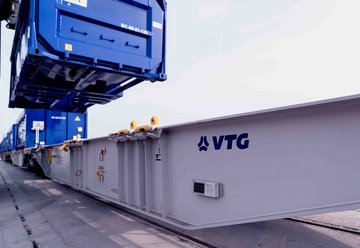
(36, 212)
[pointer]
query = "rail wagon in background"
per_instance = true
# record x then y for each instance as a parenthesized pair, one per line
(7, 144)
(36, 128)
(68, 55)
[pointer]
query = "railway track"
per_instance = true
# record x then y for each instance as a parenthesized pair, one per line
(201, 243)
(326, 225)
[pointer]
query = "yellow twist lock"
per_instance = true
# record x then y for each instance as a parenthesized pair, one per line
(154, 120)
(123, 132)
(64, 147)
(133, 125)
(49, 156)
(38, 150)
(148, 128)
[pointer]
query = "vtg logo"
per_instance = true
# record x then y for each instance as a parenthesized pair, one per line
(241, 141)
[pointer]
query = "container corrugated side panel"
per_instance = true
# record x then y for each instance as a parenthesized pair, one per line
(55, 127)
(31, 116)
(76, 124)
(117, 32)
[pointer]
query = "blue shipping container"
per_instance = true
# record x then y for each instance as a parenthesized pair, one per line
(71, 54)
(58, 127)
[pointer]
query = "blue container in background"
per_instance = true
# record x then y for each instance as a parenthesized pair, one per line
(31, 115)
(58, 127)
(7, 142)
(14, 131)
(76, 124)
(71, 54)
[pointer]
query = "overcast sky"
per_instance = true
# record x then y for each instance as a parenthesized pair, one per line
(233, 56)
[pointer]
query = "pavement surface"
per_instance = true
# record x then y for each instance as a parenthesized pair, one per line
(37, 212)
